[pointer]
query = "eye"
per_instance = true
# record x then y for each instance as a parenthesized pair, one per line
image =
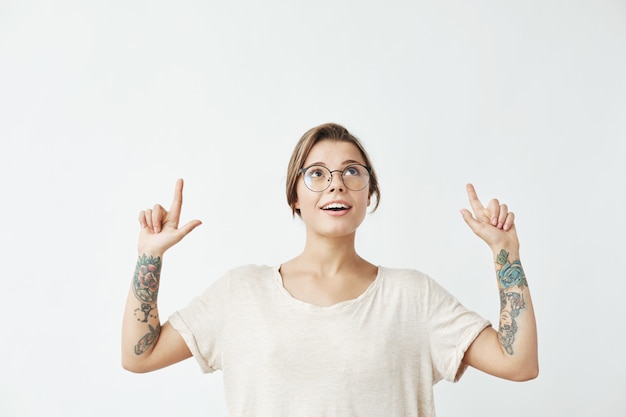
(353, 170)
(315, 172)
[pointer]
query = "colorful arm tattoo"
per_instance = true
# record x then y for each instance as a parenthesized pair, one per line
(512, 282)
(146, 289)
(147, 278)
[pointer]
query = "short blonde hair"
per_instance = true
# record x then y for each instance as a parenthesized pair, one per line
(327, 131)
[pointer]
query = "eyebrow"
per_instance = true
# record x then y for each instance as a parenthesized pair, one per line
(346, 162)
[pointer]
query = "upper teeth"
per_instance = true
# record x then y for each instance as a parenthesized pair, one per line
(335, 206)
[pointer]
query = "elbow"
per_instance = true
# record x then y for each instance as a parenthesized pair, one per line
(134, 366)
(534, 373)
(528, 373)
(130, 367)
(134, 369)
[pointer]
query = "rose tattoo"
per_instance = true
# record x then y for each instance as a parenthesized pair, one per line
(147, 278)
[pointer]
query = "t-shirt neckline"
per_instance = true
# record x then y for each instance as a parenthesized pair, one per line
(340, 306)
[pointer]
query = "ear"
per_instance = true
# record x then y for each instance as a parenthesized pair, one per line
(369, 200)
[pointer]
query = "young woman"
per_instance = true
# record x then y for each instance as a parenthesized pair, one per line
(328, 333)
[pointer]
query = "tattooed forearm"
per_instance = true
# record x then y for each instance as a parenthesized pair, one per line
(147, 278)
(146, 310)
(148, 339)
(512, 303)
(146, 289)
(512, 282)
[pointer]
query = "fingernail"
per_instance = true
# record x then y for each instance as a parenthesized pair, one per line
(155, 230)
(494, 221)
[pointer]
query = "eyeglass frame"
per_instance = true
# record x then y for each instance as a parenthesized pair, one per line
(330, 181)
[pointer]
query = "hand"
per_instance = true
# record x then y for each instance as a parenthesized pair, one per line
(159, 228)
(494, 224)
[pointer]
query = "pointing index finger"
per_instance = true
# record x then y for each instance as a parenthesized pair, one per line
(177, 202)
(477, 206)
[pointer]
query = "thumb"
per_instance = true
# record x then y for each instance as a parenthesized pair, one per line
(188, 227)
(470, 220)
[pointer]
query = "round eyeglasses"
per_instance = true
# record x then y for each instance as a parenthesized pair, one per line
(318, 178)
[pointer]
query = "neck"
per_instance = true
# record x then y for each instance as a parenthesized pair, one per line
(330, 255)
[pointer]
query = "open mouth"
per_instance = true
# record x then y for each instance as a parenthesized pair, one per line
(335, 207)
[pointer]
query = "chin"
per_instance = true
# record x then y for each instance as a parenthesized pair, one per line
(339, 231)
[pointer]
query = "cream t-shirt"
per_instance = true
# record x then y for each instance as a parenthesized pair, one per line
(377, 355)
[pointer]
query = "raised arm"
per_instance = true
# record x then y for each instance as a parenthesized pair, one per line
(511, 352)
(146, 345)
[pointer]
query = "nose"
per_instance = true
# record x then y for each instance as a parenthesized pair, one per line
(336, 181)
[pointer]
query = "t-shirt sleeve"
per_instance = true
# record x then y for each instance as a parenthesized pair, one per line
(200, 325)
(452, 329)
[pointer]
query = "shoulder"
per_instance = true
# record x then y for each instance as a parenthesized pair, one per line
(238, 281)
(247, 276)
(404, 276)
(251, 271)
(408, 280)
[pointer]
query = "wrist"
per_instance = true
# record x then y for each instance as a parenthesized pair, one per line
(512, 252)
(155, 253)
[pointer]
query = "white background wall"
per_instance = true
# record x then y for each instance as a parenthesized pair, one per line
(104, 104)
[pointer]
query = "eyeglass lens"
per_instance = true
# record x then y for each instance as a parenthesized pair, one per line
(318, 178)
